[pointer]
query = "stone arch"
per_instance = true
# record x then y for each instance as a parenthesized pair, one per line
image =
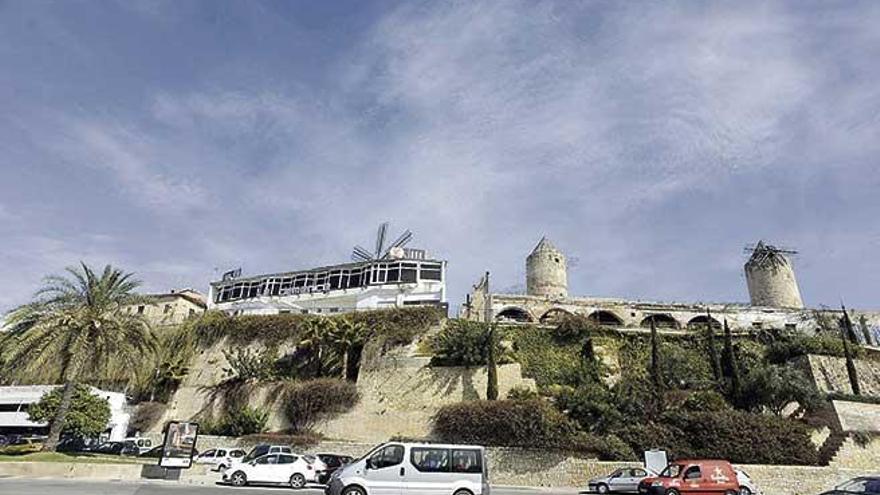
(661, 320)
(698, 322)
(514, 314)
(606, 318)
(554, 315)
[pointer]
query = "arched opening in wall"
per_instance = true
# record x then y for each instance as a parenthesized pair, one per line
(700, 322)
(554, 316)
(606, 319)
(660, 321)
(513, 315)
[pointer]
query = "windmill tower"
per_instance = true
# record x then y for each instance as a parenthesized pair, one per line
(770, 277)
(546, 271)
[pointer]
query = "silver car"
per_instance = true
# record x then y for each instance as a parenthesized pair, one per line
(624, 480)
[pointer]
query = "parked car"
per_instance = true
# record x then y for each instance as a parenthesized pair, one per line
(326, 464)
(624, 480)
(72, 444)
(110, 448)
(696, 477)
(142, 444)
(863, 485)
(221, 458)
(394, 468)
(746, 485)
(264, 448)
(271, 469)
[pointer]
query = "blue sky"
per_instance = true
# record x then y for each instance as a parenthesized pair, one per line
(649, 140)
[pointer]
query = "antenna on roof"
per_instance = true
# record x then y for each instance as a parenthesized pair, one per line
(362, 254)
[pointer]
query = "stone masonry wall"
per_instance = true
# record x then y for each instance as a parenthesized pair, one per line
(857, 416)
(830, 374)
(399, 398)
(399, 394)
(854, 456)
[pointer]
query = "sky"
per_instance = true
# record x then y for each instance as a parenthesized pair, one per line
(650, 141)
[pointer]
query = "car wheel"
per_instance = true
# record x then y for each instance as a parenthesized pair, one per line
(238, 479)
(744, 490)
(463, 492)
(353, 490)
(672, 491)
(602, 488)
(297, 481)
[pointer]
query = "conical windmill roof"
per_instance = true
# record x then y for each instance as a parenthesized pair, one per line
(545, 245)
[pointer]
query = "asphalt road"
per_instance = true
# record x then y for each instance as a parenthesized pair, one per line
(27, 486)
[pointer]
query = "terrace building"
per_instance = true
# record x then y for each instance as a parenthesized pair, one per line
(400, 278)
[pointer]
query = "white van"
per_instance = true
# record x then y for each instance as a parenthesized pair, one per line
(409, 468)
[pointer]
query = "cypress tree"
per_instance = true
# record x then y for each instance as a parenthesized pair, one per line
(731, 367)
(492, 366)
(713, 353)
(656, 375)
(845, 331)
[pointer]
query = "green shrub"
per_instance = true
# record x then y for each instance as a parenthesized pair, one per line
(521, 393)
(590, 406)
(251, 365)
(743, 437)
(464, 343)
(773, 387)
(506, 423)
(684, 363)
(545, 359)
(705, 401)
(395, 326)
(237, 422)
(313, 401)
(789, 347)
(87, 416)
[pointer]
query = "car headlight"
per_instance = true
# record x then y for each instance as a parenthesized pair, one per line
(657, 483)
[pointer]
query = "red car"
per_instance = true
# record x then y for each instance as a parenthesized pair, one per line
(693, 477)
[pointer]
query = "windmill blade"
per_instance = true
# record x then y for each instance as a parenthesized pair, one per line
(361, 254)
(401, 241)
(380, 238)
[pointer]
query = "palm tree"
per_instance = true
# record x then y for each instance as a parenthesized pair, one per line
(347, 337)
(314, 338)
(76, 327)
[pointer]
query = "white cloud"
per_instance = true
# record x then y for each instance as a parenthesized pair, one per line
(144, 168)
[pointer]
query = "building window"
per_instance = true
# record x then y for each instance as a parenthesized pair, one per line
(757, 325)
(192, 312)
(141, 310)
(167, 309)
(791, 327)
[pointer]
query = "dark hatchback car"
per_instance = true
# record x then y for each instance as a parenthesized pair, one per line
(327, 464)
(863, 485)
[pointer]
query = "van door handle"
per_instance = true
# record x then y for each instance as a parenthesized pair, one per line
(402, 471)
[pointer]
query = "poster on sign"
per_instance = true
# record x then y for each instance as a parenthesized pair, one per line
(180, 442)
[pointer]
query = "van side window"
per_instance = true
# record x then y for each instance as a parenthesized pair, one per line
(467, 461)
(430, 460)
(391, 455)
(692, 473)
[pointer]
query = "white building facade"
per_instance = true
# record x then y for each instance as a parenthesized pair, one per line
(408, 278)
(15, 401)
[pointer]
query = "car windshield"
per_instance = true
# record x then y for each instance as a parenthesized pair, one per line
(861, 485)
(671, 471)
